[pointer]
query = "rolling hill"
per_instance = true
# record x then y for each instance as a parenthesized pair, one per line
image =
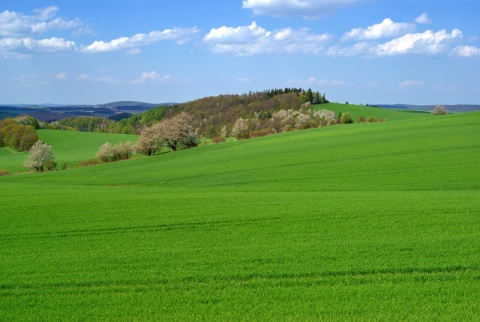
(376, 221)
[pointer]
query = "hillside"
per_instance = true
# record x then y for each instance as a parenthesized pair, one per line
(68, 146)
(284, 227)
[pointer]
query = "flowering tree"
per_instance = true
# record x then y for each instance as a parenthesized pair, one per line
(240, 129)
(439, 110)
(149, 141)
(40, 157)
(177, 131)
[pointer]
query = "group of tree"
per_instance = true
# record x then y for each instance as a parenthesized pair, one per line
(209, 114)
(176, 132)
(286, 121)
(18, 133)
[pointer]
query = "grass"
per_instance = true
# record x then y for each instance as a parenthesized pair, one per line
(368, 111)
(359, 222)
(68, 146)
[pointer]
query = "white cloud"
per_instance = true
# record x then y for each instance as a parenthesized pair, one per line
(423, 19)
(18, 47)
(387, 28)
(90, 78)
(152, 76)
(299, 8)
(61, 76)
(252, 40)
(15, 24)
(312, 81)
(411, 83)
(180, 35)
(244, 80)
(428, 42)
(466, 51)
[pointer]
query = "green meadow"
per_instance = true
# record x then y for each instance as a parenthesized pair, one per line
(361, 222)
(68, 146)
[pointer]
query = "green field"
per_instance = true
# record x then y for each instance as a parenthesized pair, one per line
(68, 146)
(374, 221)
(368, 111)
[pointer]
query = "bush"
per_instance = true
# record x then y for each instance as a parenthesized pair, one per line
(346, 118)
(218, 139)
(105, 152)
(4, 173)
(439, 110)
(40, 157)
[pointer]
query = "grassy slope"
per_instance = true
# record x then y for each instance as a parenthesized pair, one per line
(359, 222)
(71, 147)
(367, 111)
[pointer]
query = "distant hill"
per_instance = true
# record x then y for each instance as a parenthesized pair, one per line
(450, 108)
(55, 112)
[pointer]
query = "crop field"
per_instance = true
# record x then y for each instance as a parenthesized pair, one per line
(68, 146)
(373, 221)
(368, 111)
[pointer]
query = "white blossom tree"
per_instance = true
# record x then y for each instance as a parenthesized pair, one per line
(40, 157)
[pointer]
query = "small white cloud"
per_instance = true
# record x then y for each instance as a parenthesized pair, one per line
(428, 42)
(253, 40)
(387, 28)
(411, 83)
(90, 78)
(61, 76)
(132, 44)
(244, 80)
(423, 19)
(296, 8)
(152, 76)
(312, 81)
(466, 51)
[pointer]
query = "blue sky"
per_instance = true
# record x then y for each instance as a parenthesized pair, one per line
(361, 51)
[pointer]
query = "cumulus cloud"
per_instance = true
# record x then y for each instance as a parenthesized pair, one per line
(386, 29)
(428, 42)
(299, 8)
(423, 19)
(466, 51)
(252, 40)
(18, 47)
(15, 24)
(152, 76)
(180, 35)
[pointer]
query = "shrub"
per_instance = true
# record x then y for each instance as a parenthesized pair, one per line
(439, 110)
(361, 119)
(40, 157)
(4, 173)
(105, 152)
(346, 118)
(218, 139)
(123, 151)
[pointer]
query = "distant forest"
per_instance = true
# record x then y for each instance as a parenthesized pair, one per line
(210, 114)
